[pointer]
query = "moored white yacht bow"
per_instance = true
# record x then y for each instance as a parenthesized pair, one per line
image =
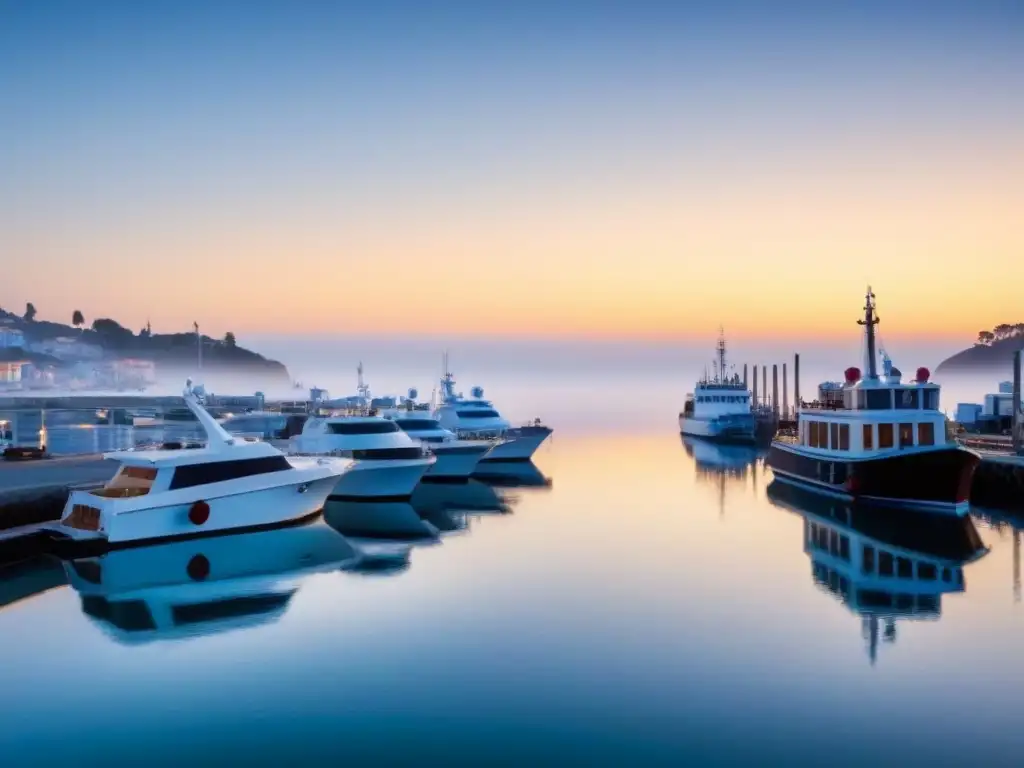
(230, 484)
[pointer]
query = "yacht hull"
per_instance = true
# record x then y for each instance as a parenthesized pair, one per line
(455, 462)
(707, 429)
(938, 479)
(519, 445)
(262, 509)
(385, 480)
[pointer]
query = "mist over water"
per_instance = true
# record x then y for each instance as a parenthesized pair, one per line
(584, 383)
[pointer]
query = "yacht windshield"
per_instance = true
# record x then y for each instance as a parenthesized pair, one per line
(479, 413)
(362, 427)
(417, 424)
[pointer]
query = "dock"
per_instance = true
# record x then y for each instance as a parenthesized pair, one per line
(35, 491)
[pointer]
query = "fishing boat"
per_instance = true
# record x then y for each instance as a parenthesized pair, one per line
(719, 408)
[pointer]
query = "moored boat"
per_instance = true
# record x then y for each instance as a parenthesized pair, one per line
(882, 441)
(228, 485)
(719, 408)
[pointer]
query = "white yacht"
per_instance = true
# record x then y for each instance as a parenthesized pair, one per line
(229, 484)
(388, 462)
(455, 459)
(476, 418)
(719, 409)
(181, 589)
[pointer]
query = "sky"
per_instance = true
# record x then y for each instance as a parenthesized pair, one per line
(530, 169)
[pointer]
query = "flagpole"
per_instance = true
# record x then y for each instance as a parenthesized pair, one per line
(199, 346)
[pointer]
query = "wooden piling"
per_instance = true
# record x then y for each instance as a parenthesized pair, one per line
(744, 374)
(1016, 423)
(796, 381)
(754, 392)
(785, 394)
(775, 389)
(764, 384)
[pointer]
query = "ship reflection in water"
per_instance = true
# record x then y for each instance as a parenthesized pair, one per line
(883, 564)
(206, 586)
(723, 465)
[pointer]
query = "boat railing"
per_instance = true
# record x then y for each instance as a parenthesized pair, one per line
(822, 405)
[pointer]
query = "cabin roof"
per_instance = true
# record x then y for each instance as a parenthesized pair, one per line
(186, 456)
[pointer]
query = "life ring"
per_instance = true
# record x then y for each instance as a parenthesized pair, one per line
(199, 513)
(198, 568)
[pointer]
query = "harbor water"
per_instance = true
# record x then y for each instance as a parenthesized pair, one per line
(658, 602)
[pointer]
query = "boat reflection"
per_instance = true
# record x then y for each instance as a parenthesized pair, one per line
(883, 564)
(513, 474)
(379, 520)
(28, 578)
(1004, 522)
(723, 465)
(474, 496)
(204, 586)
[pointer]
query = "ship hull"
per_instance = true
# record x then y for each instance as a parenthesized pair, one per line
(938, 479)
(742, 433)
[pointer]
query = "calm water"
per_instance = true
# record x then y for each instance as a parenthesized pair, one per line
(647, 607)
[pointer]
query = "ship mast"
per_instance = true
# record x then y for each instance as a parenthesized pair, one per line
(869, 322)
(721, 354)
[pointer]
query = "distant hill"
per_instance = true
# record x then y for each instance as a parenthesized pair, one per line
(992, 352)
(174, 354)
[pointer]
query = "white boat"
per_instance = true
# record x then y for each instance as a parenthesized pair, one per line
(388, 463)
(719, 409)
(455, 459)
(230, 484)
(475, 418)
(202, 586)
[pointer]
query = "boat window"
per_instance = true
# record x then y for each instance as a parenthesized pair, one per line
(906, 435)
(417, 424)
(835, 435)
(873, 598)
(885, 436)
(926, 433)
(844, 437)
(904, 568)
(139, 473)
(376, 427)
(479, 413)
(931, 399)
(833, 543)
(812, 434)
(927, 572)
(844, 547)
(885, 564)
(382, 454)
(874, 399)
(823, 434)
(230, 608)
(129, 615)
(867, 562)
(904, 602)
(869, 437)
(218, 471)
(907, 398)
(928, 603)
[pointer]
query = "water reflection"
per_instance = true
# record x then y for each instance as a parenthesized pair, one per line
(1006, 523)
(514, 474)
(203, 586)
(28, 578)
(474, 495)
(724, 465)
(883, 564)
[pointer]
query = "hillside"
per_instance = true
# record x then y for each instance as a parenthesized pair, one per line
(175, 354)
(996, 355)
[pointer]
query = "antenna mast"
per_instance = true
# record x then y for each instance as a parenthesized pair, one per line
(869, 322)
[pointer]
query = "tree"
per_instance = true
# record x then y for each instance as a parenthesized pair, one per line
(986, 337)
(77, 318)
(112, 332)
(30, 312)
(229, 339)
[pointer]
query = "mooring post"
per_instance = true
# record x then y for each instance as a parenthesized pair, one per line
(796, 381)
(744, 374)
(754, 392)
(1016, 423)
(764, 384)
(775, 389)
(785, 394)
